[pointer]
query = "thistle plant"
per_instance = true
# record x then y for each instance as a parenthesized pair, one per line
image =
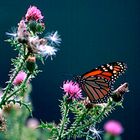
(79, 116)
(86, 114)
(113, 129)
(30, 47)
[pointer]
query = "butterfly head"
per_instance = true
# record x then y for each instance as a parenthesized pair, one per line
(77, 78)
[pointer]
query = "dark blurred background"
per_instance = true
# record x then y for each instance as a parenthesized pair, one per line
(93, 32)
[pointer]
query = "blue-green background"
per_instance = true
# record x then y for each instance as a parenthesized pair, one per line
(93, 32)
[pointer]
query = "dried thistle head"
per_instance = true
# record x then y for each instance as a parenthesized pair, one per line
(9, 107)
(34, 42)
(2, 124)
(22, 33)
(117, 95)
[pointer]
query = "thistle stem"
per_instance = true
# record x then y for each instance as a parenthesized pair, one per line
(64, 119)
(73, 129)
(93, 122)
(9, 86)
(11, 81)
(102, 113)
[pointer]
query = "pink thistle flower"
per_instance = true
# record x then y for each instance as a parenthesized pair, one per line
(113, 127)
(21, 76)
(32, 123)
(33, 14)
(72, 89)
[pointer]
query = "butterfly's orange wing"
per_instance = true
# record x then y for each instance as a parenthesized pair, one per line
(98, 83)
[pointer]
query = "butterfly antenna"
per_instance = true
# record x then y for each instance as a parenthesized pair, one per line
(68, 75)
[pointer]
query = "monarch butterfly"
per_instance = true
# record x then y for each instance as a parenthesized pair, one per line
(98, 83)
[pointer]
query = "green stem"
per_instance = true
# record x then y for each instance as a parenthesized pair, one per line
(93, 122)
(11, 81)
(20, 128)
(64, 119)
(102, 113)
(8, 87)
(73, 129)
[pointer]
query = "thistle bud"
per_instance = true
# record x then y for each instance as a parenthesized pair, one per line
(32, 25)
(36, 27)
(117, 97)
(40, 27)
(30, 63)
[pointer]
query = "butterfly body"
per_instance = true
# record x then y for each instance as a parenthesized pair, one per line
(98, 83)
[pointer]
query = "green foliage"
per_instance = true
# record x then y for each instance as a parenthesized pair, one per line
(83, 119)
(111, 137)
(49, 130)
(35, 27)
(16, 128)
